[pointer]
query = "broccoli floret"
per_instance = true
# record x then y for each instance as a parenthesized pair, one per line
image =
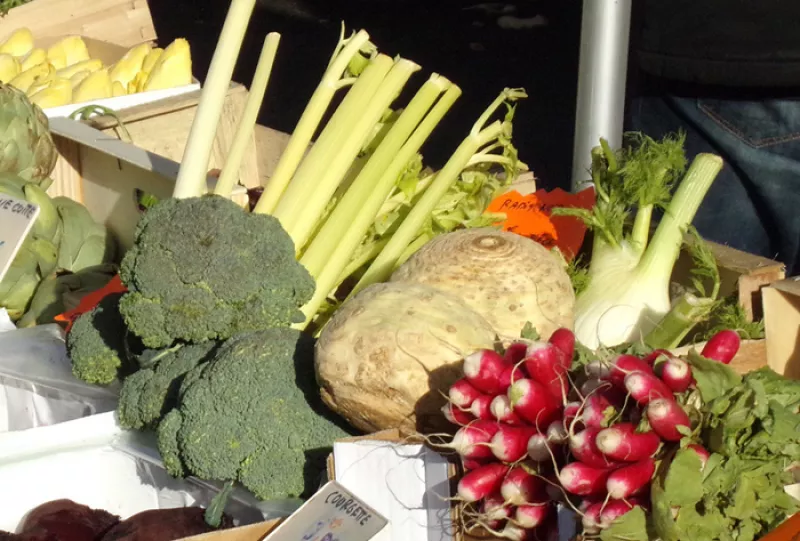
(204, 269)
(252, 414)
(95, 343)
(149, 393)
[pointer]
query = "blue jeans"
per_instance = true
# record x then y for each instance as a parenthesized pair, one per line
(754, 204)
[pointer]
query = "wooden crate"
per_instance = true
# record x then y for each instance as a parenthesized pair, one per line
(161, 129)
(124, 22)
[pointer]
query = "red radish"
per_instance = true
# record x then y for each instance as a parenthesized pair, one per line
(502, 411)
(557, 432)
(702, 453)
(583, 446)
(511, 374)
(547, 364)
(539, 448)
(597, 369)
(593, 385)
(532, 401)
(722, 347)
(470, 441)
(564, 340)
(531, 516)
(654, 356)
(470, 464)
(456, 416)
(571, 411)
(494, 507)
(624, 365)
(583, 480)
(481, 482)
(591, 518)
(630, 480)
(514, 533)
(483, 370)
(622, 442)
(520, 487)
(665, 416)
(644, 387)
(613, 510)
(510, 443)
(515, 352)
(676, 373)
(597, 411)
(462, 393)
(480, 407)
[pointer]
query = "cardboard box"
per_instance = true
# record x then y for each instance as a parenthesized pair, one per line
(782, 323)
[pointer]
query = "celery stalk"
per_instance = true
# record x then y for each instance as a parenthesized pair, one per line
(194, 165)
(330, 275)
(479, 136)
(307, 177)
(315, 257)
(244, 131)
(350, 141)
(309, 120)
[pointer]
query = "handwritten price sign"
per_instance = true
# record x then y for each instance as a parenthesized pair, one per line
(332, 514)
(16, 219)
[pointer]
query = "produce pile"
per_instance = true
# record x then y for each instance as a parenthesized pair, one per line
(64, 72)
(65, 520)
(67, 254)
(640, 447)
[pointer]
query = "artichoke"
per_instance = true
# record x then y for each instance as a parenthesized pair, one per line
(38, 255)
(84, 242)
(28, 150)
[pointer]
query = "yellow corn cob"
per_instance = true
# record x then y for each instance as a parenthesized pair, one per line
(67, 52)
(87, 65)
(96, 86)
(117, 89)
(34, 58)
(57, 92)
(78, 78)
(19, 43)
(9, 67)
(174, 67)
(130, 64)
(37, 74)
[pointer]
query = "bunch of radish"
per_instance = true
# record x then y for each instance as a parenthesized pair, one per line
(536, 432)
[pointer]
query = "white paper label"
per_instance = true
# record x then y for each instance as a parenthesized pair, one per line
(332, 514)
(16, 219)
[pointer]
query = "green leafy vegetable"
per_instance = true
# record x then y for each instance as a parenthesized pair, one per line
(632, 526)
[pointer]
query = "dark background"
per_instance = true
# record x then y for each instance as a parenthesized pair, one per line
(460, 39)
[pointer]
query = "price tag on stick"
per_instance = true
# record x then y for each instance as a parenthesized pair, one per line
(332, 514)
(17, 216)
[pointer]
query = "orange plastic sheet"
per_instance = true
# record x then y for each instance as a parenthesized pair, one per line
(530, 216)
(90, 301)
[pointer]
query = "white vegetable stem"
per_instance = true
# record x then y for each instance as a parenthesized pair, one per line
(480, 136)
(194, 165)
(310, 119)
(628, 292)
(352, 217)
(305, 206)
(244, 132)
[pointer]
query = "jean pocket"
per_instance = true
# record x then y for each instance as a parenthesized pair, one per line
(759, 124)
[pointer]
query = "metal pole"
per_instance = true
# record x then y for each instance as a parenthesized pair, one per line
(603, 68)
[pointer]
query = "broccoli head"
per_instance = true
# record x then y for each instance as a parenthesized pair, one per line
(95, 343)
(252, 414)
(150, 392)
(204, 269)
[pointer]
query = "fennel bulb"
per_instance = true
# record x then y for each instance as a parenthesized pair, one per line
(627, 294)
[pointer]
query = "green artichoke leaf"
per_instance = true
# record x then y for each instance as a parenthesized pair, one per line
(46, 254)
(79, 230)
(12, 185)
(46, 224)
(19, 284)
(26, 145)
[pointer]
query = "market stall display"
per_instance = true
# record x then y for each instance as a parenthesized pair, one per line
(361, 290)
